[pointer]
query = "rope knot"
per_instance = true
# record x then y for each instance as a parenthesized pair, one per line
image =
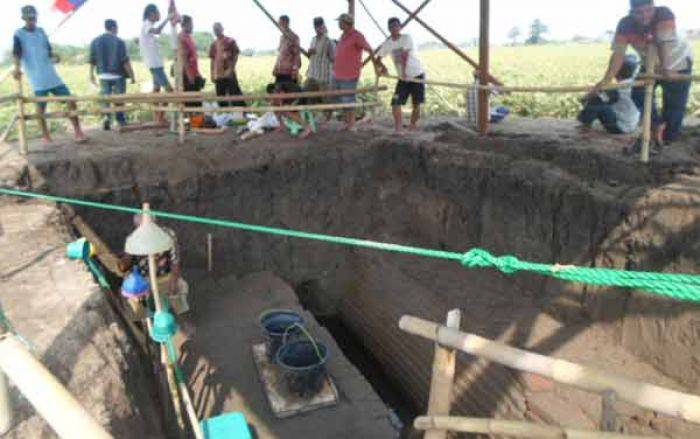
(478, 258)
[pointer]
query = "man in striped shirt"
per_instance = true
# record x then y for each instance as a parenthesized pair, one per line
(321, 56)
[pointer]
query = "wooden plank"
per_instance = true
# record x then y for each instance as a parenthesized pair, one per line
(442, 378)
(484, 69)
(282, 404)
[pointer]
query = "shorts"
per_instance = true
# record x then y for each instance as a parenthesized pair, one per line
(404, 89)
(59, 90)
(351, 84)
(160, 80)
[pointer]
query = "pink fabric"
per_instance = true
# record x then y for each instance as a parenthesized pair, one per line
(348, 55)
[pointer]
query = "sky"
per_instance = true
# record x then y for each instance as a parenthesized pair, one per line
(457, 20)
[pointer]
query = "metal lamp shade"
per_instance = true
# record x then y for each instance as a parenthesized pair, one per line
(148, 239)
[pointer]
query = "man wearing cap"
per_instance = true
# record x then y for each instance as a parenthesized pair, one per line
(348, 63)
(32, 50)
(409, 69)
(289, 58)
(321, 55)
(109, 57)
(655, 26)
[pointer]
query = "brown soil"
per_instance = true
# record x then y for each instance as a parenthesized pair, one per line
(536, 189)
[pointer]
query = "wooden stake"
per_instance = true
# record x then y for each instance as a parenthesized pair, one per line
(484, 63)
(608, 415)
(442, 378)
(405, 23)
(210, 261)
(23, 147)
(666, 401)
(494, 427)
(447, 43)
(648, 103)
(180, 81)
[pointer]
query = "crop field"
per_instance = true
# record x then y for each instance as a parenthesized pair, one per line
(550, 65)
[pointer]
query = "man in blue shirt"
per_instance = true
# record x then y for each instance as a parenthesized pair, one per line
(32, 51)
(108, 56)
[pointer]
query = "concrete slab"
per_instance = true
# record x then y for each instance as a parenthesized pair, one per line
(223, 376)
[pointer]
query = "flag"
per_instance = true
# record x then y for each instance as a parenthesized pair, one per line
(68, 6)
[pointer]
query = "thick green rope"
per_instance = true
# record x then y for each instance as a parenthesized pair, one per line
(677, 286)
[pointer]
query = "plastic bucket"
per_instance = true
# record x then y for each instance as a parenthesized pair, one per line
(278, 327)
(303, 365)
(80, 249)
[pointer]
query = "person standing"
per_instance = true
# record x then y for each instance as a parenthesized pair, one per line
(192, 80)
(289, 58)
(348, 63)
(409, 69)
(109, 57)
(648, 26)
(321, 56)
(32, 51)
(224, 54)
(150, 53)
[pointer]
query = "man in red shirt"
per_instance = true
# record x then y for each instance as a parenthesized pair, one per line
(192, 80)
(648, 25)
(348, 63)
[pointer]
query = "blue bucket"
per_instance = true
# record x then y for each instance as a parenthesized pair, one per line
(279, 325)
(303, 365)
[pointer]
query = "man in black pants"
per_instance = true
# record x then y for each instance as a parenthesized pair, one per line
(649, 25)
(224, 57)
(409, 68)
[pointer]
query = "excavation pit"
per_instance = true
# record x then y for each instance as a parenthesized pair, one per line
(535, 189)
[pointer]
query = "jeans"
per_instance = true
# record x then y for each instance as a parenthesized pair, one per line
(675, 95)
(602, 112)
(229, 87)
(113, 86)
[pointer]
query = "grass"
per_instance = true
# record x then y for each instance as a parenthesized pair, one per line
(569, 64)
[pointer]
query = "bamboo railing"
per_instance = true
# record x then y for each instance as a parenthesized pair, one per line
(651, 397)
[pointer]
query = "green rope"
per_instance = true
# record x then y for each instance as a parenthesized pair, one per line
(677, 286)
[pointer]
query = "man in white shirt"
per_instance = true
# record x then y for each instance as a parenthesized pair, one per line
(148, 42)
(409, 69)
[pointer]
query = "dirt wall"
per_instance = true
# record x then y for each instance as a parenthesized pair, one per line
(540, 200)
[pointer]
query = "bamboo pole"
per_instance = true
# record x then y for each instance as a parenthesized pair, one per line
(648, 104)
(315, 107)
(405, 23)
(8, 98)
(179, 79)
(172, 387)
(49, 397)
(210, 260)
(447, 43)
(608, 414)
(77, 113)
(512, 428)
(351, 7)
(484, 63)
(199, 97)
(649, 396)
(7, 131)
(22, 133)
(277, 25)
(442, 378)
(504, 89)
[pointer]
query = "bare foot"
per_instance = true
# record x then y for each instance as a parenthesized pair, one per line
(412, 127)
(398, 132)
(47, 140)
(80, 138)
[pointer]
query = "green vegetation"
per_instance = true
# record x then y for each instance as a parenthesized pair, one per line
(546, 65)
